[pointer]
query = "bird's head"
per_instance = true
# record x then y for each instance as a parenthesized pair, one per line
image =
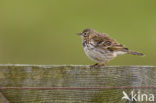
(87, 33)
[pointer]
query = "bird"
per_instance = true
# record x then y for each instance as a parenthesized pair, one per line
(101, 48)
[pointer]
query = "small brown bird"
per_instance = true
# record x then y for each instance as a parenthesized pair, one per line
(101, 48)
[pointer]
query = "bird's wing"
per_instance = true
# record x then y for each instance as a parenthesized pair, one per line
(106, 42)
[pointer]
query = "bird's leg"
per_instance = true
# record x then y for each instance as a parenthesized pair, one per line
(98, 65)
(95, 65)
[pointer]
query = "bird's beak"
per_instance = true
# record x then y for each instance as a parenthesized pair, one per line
(79, 34)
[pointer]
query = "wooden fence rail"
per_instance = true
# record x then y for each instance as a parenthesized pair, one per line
(75, 84)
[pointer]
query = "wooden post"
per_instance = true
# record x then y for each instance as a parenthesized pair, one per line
(75, 84)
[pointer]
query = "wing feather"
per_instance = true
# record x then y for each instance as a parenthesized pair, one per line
(106, 42)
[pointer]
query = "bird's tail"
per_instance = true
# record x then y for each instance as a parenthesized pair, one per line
(135, 53)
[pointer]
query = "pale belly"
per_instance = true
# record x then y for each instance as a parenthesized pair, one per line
(99, 55)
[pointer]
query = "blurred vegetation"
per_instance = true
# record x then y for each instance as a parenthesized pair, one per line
(44, 31)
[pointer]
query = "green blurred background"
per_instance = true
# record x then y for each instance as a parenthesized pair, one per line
(44, 31)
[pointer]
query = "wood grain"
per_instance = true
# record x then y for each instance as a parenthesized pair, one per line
(74, 84)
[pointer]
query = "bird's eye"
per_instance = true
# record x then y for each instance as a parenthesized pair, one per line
(85, 34)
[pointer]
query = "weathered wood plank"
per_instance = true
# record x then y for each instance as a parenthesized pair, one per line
(74, 84)
(3, 99)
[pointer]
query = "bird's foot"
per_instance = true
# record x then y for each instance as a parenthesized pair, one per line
(94, 66)
(97, 65)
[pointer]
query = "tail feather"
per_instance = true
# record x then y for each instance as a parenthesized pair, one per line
(135, 53)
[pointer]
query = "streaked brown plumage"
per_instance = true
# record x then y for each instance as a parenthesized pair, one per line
(101, 48)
